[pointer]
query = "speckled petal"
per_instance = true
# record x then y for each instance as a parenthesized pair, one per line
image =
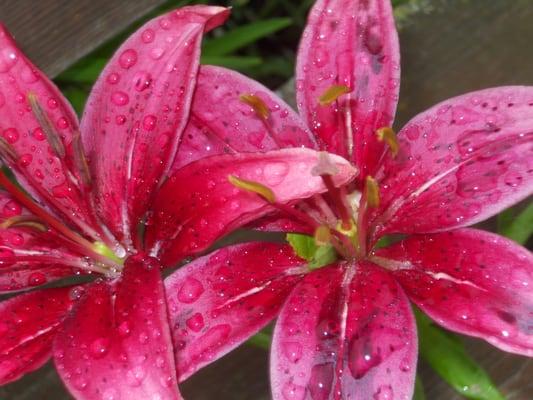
(39, 146)
(198, 204)
(351, 43)
(460, 162)
(138, 109)
(220, 300)
(345, 334)
(222, 123)
(28, 324)
(472, 282)
(117, 345)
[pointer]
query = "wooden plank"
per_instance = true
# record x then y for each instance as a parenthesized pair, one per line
(56, 33)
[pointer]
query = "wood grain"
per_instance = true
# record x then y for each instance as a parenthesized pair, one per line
(55, 33)
(448, 47)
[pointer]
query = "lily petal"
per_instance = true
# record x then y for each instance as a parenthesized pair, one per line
(138, 109)
(352, 43)
(460, 162)
(343, 337)
(121, 348)
(198, 204)
(28, 324)
(38, 131)
(30, 253)
(221, 122)
(472, 282)
(220, 300)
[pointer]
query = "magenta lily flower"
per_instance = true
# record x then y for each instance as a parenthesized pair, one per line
(91, 186)
(345, 330)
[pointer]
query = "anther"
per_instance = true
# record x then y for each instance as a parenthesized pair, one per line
(332, 94)
(388, 136)
(322, 235)
(254, 187)
(51, 134)
(372, 192)
(7, 152)
(258, 105)
(79, 158)
(25, 221)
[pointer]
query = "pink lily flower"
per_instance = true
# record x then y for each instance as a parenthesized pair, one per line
(345, 330)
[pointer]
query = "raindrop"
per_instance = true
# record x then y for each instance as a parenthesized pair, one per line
(62, 123)
(321, 381)
(120, 119)
(128, 58)
(36, 279)
(190, 291)
(11, 135)
(135, 376)
(8, 58)
(29, 75)
(148, 35)
(120, 98)
(11, 208)
(291, 391)
(110, 394)
(292, 351)
(25, 160)
(99, 347)
(384, 393)
(113, 78)
(39, 134)
(149, 122)
(52, 103)
(196, 322)
(143, 338)
(142, 81)
(76, 293)
(124, 329)
(157, 53)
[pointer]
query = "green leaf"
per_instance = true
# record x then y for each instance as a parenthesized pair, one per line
(419, 393)
(84, 71)
(77, 97)
(447, 356)
(324, 255)
(261, 339)
(242, 36)
(233, 62)
(303, 245)
(518, 228)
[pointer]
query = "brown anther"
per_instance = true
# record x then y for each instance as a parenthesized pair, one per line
(322, 235)
(388, 136)
(258, 105)
(332, 93)
(80, 159)
(324, 166)
(372, 192)
(7, 152)
(48, 128)
(254, 187)
(26, 221)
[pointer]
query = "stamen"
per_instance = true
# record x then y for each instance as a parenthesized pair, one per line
(79, 158)
(333, 93)
(388, 136)
(254, 187)
(27, 221)
(101, 248)
(48, 128)
(350, 231)
(322, 235)
(324, 166)
(372, 192)
(259, 106)
(7, 152)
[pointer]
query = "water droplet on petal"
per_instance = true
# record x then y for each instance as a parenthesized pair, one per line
(120, 98)
(36, 279)
(39, 134)
(142, 81)
(62, 123)
(2, 100)
(128, 58)
(11, 135)
(135, 376)
(124, 329)
(157, 53)
(113, 78)
(143, 338)
(384, 393)
(99, 347)
(8, 58)
(190, 291)
(292, 350)
(29, 75)
(120, 119)
(148, 35)
(321, 381)
(196, 322)
(291, 391)
(11, 208)
(110, 394)
(149, 122)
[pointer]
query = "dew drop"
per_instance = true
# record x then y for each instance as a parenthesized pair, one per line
(11, 135)
(142, 81)
(8, 58)
(190, 291)
(99, 347)
(157, 53)
(11, 208)
(149, 122)
(29, 75)
(25, 160)
(39, 134)
(113, 78)
(321, 381)
(36, 279)
(52, 103)
(135, 376)
(128, 58)
(76, 293)
(62, 123)
(120, 119)
(292, 351)
(290, 391)
(148, 35)
(195, 323)
(120, 98)
(124, 329)
(384, 393)
(110, 394)
(143, 338)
